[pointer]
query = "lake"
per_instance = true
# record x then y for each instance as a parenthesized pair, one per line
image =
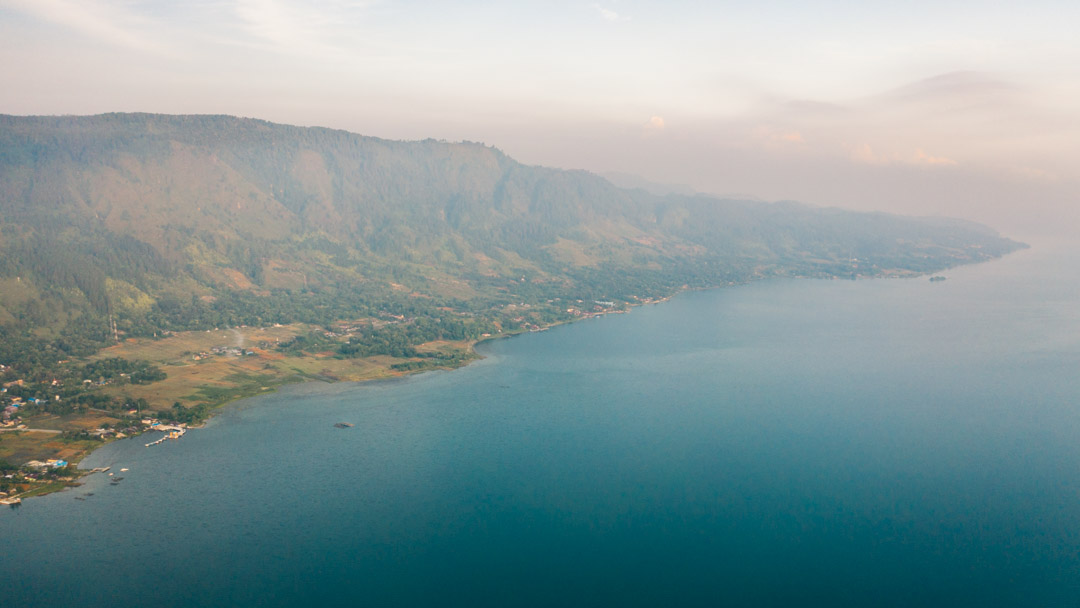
(790, 442)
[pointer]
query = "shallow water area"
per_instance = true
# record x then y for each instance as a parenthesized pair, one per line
(887, 442)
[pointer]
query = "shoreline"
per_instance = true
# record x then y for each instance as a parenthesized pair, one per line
(471, 347)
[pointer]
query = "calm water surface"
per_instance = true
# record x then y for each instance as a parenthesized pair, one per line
(893, 442)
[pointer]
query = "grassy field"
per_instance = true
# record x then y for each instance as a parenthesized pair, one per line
(19, 447)
(217, 379)
(195, 375)
(72, 422)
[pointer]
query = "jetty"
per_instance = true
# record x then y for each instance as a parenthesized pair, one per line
(172, 432)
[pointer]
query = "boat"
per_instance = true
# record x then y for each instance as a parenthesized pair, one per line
(344, 425)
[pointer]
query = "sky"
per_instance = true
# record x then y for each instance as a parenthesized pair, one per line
(961, 108)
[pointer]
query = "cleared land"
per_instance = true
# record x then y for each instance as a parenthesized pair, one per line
(30, 445)
(203, 367)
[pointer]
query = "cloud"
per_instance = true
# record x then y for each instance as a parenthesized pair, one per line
(864, 154)
(277, 23)
(963, 87)
(609, 14)
(777, 137)
(99, 20)
(307, 29)
(922, 158)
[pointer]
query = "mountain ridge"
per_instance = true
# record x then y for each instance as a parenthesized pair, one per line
(161, 266)
(160, 205)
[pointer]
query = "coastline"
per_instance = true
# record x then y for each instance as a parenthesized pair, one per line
(469, 347)
(414, 432)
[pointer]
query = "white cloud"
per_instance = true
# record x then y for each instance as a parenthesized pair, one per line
(323, 30)
(105, 22)
(609, 14)
(865, 155)
(279, 24)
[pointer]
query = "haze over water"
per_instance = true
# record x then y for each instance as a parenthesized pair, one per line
(886, 442)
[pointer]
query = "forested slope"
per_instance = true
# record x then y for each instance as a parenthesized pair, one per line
(181, 222)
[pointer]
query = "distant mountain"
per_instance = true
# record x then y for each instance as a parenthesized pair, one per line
(630, 181)
(189, 221)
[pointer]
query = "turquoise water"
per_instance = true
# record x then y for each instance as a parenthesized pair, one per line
(893, 442)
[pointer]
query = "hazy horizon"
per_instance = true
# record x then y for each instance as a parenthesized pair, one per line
(928, 109)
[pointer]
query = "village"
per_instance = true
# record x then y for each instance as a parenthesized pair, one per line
(49, 422)
(37, 477)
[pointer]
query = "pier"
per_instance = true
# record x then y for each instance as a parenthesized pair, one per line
(174, 432)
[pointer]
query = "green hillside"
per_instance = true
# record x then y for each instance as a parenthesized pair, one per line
(161, 223)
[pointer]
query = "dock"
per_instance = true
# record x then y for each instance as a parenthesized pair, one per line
(174, 433)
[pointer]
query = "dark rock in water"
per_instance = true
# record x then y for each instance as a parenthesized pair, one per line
(935, 279)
